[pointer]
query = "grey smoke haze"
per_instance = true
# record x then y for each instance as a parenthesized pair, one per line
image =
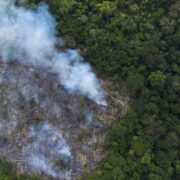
(29, 37)
(47, 142)
(89, 116)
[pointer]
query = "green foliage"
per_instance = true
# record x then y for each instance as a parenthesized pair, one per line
(146, 158)
(135, 81)
(138, 146)
(157, 78)
(7, 172)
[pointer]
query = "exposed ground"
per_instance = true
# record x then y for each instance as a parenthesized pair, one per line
(31, 98)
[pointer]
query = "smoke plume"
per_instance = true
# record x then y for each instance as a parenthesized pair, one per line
(47, 146)
(29, 37)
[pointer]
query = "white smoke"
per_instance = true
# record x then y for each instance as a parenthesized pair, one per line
(89, 116)
(29, 37)
(47, 146)
(39, 162)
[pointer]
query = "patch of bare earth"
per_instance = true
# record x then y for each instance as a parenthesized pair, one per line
(29, 97)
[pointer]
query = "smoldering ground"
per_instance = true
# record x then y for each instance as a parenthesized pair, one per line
(44, 129)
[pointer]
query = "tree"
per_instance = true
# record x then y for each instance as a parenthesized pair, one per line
(157, 79)
(135, 81)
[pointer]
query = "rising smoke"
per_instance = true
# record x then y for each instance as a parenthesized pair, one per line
(28, 36)
(47, 146)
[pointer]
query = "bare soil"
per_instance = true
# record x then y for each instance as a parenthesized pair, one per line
(30, 96)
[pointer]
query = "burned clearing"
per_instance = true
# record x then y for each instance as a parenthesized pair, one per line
(44, 129)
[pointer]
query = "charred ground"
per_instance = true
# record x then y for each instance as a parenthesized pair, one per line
(31, 97)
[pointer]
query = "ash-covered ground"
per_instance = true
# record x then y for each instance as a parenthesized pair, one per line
(45, 129)
(53, 110)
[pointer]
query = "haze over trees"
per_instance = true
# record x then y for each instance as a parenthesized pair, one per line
(137, 42)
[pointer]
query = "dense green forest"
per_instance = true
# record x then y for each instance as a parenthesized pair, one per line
(137, 42)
